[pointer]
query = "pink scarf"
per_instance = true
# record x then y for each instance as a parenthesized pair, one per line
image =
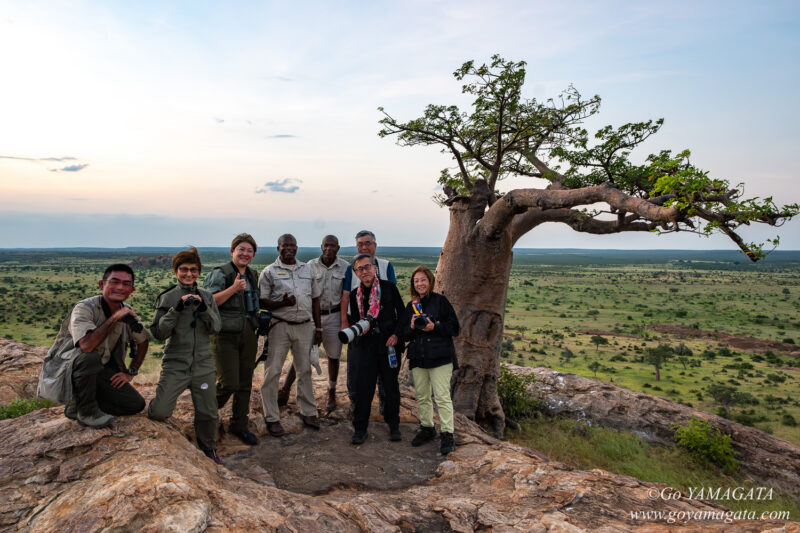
(374, 299)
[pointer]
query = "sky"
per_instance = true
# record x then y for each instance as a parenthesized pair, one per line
(175, 123)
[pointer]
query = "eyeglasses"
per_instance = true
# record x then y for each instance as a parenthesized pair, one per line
(115, 282)
(186, 270)
(244, 250)
(365, 268)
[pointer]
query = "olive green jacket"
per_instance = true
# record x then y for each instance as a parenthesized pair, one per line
(187, 332)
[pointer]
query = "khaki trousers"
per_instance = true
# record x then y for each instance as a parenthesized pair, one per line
(437, 379)
(283, 337)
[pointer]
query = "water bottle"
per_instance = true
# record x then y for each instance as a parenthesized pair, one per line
(392, 358)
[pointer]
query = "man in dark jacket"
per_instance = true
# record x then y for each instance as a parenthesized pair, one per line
(235, 289)
(379, 301)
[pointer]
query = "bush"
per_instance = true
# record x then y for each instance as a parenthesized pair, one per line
(514, 397)
(23, 406)
(707, 443)
(788, 420)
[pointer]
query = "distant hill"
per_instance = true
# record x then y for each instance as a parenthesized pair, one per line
(726, 259)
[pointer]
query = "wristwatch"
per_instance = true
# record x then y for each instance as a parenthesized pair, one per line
(133, 371)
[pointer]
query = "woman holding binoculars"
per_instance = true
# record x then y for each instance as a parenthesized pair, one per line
(186, 317)
(429, 324)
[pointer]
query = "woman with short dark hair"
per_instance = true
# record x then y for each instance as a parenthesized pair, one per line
(186, 317)
(429, 324)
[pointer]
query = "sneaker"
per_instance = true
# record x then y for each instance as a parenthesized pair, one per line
(246, 437)
(448, 443)
(425, 434)
(212, 454)
(275, 429)
(394, 434)
(359, 437)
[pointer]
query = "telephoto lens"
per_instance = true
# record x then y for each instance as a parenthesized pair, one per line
(347, 335)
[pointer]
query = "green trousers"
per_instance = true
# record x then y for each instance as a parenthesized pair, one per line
(437, 379)
(235, 358)
(204, 398)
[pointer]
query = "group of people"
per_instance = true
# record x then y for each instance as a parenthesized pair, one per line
(211, 341)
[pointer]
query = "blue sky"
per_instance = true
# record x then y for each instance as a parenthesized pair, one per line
(166, 123)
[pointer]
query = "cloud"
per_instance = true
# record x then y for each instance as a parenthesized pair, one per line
(277, 78)
(38, 159)
(70, 168)
(281, 136)
(280, 186)
(219, 120)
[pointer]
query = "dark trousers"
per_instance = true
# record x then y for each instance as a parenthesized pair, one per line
(122, 401)
(352, 366)
(372, 361)
(235, 358)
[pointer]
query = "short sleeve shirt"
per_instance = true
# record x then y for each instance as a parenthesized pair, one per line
(331, 278)
(296, 280)
(88, 315)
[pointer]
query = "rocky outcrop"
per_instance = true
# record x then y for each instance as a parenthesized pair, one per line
(19, 370)
(767, 459)
(143, 475)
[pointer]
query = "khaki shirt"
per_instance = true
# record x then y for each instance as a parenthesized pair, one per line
(331, 278)
(297, 280)
(88, 315)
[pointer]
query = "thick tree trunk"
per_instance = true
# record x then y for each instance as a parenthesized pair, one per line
(473, 273)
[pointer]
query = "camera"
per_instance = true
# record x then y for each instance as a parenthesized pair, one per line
(134, 324)
(263, 323)
(421, 321)
(347, 335)
(193, 301)
(264, 318)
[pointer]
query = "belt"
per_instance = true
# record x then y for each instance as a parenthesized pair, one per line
(330, 311)
(279, 319)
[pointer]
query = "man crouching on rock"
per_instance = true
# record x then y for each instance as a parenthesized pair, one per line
(99, 380)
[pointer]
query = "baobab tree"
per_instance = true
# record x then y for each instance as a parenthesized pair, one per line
(587, 182)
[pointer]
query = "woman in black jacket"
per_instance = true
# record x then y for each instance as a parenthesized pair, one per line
(429, 325)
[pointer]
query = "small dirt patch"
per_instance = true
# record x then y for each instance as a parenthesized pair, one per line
(316, 462)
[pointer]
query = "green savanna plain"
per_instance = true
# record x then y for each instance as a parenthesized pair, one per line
(557, 302)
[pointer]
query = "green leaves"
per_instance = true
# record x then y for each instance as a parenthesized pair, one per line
(505, 134)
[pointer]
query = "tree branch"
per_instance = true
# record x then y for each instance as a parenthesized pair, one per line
(577, 220)
(501, 214)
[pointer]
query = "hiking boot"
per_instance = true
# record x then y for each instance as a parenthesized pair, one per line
(212, 454)
(246, 437)
(275, 429)
(331, 405)
(283, 397)
(448, 443)
(425, 434)
(71, 409)
(394, 434)
(310, 420)
(94, 419)
(359, 437)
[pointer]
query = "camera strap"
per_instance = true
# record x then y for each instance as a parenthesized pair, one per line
(416, 305)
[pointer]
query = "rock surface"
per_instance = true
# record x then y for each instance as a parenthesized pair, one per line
(20, 365)
(766, 458)
(143, 475)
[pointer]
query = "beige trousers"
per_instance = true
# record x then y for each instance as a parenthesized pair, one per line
(283, 337)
